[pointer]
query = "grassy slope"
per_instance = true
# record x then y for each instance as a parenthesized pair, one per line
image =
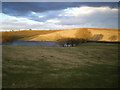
(16, 35)
(90, 65)
(86, 33)
(53, 35)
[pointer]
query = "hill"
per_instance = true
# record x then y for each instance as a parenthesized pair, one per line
(86, 33)
(17, 35)
(95, 34)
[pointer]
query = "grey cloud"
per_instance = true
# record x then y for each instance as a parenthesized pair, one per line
(96, 19)
(24, 8)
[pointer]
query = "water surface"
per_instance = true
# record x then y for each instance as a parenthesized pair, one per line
(34, 43)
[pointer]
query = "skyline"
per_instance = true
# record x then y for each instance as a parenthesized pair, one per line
(59, 15)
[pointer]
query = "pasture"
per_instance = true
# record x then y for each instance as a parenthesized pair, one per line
(89, 65)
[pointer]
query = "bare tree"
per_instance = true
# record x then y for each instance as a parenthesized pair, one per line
(112, 38)
(97, 37)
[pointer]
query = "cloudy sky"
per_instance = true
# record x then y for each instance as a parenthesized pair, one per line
(58, 15)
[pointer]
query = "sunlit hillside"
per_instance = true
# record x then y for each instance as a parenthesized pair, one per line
(17, 35)
(53, 35)
(86, 33)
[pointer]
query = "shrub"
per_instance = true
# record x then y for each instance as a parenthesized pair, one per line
(71, 41)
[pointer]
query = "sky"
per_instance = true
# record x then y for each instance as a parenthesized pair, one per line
(58, 15)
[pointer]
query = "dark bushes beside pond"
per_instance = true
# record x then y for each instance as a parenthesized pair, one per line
(70, 42)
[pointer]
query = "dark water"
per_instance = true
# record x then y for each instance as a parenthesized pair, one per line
(34, 43)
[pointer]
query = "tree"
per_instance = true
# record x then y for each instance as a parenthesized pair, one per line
(112, 38)
(97, 37)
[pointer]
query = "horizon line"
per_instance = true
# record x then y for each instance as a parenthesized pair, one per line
(56, 29)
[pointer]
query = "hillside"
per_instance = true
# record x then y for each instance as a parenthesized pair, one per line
(86, 33)
(94, 34)
(17, 35)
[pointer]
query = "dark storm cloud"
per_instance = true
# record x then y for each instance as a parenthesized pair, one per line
(25, 8)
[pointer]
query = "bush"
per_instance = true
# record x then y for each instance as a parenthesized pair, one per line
(70, 41)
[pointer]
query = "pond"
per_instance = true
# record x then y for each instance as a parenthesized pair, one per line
(34, 43)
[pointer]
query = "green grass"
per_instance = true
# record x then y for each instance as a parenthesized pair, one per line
(90, 65)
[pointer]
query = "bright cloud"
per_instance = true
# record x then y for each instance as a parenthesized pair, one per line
(55, 20)
(77, 11)
(95, 17)
(74, 17)
(14, 23)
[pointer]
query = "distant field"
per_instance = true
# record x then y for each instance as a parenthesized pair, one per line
(90, 65)
(95, 34)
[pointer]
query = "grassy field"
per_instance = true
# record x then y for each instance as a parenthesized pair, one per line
(90, 65)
